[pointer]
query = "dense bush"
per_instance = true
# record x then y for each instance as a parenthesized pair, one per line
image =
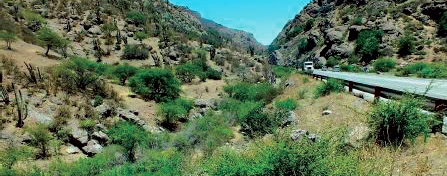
(424, 70)
(407, 45)
(173, 111)
(40, 138)
(124, 72)
(8, 37)
(332, 61)
(331, 85)
(196, 68)
(295, 31)
(442, 29)
(384, 64)
(288, 104)
(368, 44)
(257, 123)
(155, 84)
(392, 122)
(282, 72)
(136, 17)
(77, 74)
(50, 39)
(252, 92)
(128, 135)
(135, 52)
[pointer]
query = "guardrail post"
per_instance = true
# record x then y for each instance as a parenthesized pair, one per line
(377, 92)
(351, 86)
(440, 105)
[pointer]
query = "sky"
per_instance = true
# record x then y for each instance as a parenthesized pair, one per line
(263, 18)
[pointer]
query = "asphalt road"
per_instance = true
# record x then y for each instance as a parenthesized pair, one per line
(412, 85)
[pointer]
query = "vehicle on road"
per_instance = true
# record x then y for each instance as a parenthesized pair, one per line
(336, 68)
(308, 66)
(324, 68)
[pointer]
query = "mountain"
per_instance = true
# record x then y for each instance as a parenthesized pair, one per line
(360, 31)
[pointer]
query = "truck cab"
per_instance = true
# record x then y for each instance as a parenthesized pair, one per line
(308, 66)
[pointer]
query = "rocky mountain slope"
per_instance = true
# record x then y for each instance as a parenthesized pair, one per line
(359, 31)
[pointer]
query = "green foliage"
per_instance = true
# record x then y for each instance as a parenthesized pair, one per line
(196, 68)
(108, 28)
(331, 85)
(77, 74)
(384, 64)
(49, 38)
(32, 18)
(8, 37)
(129, 136)
(368, 44)
(357, 21)
(141, 35)
(98, 101)
(136, 17)
(442, 29)
(288, 104)
(350, 68)
(283, 72)
(332, 61)
(407, 45)
(256, 123)
(302, 94)
(63, 114)
(155, 84)
(392, 122)
(12, 155)
(213, 37)
(252, 92)
(303, 45)
(124, 72)
(40, 137)
(295, 31)
(135, 52)
(425, 70)
(173, 111)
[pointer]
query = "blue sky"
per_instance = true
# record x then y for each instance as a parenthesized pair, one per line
(264, 18)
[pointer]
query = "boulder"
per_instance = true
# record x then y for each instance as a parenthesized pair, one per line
(100, 136)
(104, 110)
(289, 83)
(298, 134)
(434, 9)
(205, 103)
(71, 149)
(79, 137)
(326, 112)
(93, 147)
(333, 36)
(408, 11)
(357, 135)
(444, 125)
(389, 28)
(291, 117)
(343, 50)
(127, 115)
(313, 137)
(173, 55)
(95, 30)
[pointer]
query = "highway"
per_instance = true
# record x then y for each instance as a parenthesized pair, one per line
(404, 84)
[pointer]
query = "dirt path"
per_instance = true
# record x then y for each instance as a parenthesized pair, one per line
(29, 53)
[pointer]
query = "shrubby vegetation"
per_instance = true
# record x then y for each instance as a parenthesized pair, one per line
(442, 29)
(135, 52)
(283, 72)
(384, 64)
(129, 136)
(331, 85)
(288, 104)
(332, 61)
(50, 39)
(124, 72)
(368, 44)
(155, 84)
(8, 37)
(424, 70)
(407, 45)
(77, 74)
(196, 68)
(263, 92)
(173, 111)
(393, 122)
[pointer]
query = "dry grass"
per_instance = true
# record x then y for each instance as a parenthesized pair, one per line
(206, 90)
(349, 112)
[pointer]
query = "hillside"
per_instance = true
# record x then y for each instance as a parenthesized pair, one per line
(360, 31)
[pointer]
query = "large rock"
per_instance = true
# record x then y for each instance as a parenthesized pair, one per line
(444, 126)
(291, 117)
(95, 30)
(104, 110)
(357, 135)
(298, 134)
(79, 137)
(333, 36)
(100, 136)
(343, 50)
(93, 147)
(71, 149)
(205, 103)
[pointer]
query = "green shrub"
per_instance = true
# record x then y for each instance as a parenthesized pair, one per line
(155, 84)
(213, 74)
(8, 37)
(128, 135)
(413, 68)
(303, 46)
(288, 104)
(140, 36)
(98, 101)
(256, 123)
(357, 21)
(442, 29)
(136, 17)
(384, 64)
(124, 72)
(283, 72)
(174, 110)
(40, 138)
(302, 94)
(135, 52)
(252, 92)
(368, 44)
(49, 38)
(332, 61)
(63, 114)
(196, 68)
(295, 31)
(392, 122)
(331, 85)
(435, 70)
(407, 45)
(77, 74)
(12, 154)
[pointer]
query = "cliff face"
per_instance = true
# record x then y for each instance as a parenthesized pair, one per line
(357, 31)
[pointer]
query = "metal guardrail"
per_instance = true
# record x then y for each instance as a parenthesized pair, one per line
(438, 105)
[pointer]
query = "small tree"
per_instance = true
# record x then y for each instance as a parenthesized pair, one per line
(368, 44)
(40, 138)
(129, 136)
(124, 72)
(12, 154)
(48, 38)
(384, 64)
(136, 17)
(77, 73)
(140, 36)
(442, 29)
(156, 84)
(407, 45)
(8, 37)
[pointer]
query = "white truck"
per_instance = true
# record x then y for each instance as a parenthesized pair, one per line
(308, 66)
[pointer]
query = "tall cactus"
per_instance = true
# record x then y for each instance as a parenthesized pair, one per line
(4, 95)
(22, 107)
(34, 74)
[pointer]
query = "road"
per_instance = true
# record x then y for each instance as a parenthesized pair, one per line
(404, 84)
